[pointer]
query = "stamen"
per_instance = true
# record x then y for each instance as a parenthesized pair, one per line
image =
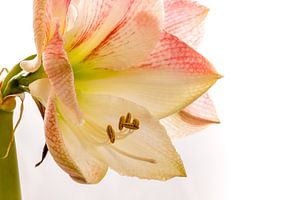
(127, 124)
(149, 160)
(128, 118)
(136, 123)
(123, 122)
(15, 128)
(111, 133)
(130, 126)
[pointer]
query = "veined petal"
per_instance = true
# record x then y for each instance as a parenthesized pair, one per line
(114, 34)
(203, 108)
(145, 153)
(68, 151)
(193, 118)
(173, 76)
(44, 14)
(184, 19)
(59, 10)
(71, 17)
(60, 73)
(39, 27)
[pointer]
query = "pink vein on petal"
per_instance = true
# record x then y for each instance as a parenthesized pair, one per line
(202, 109)
(39, 27)
(184, 19)
(55, 142)
(60, 73)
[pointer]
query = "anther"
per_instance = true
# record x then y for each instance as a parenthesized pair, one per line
(136, 123)
(111, 133)
(124, 122)
(128, 118)
(131, 126)
(121, 122)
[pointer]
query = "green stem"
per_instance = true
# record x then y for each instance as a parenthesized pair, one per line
(15, 70)
(17, 80)
(9, 175)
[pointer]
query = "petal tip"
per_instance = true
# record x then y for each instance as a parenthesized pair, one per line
(216, 121)
(219, 76)
(182, 172)
(31, 65)
(205, 10)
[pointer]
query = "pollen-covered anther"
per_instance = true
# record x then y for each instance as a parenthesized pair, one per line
(134, 125)
(121, 122)
(111, 133)
(124, 122)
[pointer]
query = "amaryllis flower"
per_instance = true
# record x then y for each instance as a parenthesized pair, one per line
(115, 69)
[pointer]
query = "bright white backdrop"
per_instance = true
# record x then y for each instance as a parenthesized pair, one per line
(253, 154)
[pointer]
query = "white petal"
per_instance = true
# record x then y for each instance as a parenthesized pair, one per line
(41, 90)
(146, 153)
(68, 151)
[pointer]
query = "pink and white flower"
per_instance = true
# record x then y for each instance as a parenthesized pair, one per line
(107, 58)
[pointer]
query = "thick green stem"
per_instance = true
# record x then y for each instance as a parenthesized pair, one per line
(9, 175)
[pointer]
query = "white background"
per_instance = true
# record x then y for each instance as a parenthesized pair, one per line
(253, 154)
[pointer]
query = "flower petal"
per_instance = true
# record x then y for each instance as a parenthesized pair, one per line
(41, 90)
(60, 73)
(114, 34)
(203, 108)
(145, 153)
(59, 10)
(68, 151)
(44, 13)
(39, 26)
(184, 19)
(173, 77)
(193, 118)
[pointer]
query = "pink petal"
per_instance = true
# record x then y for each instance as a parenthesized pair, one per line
(71, 17)
(202, 109)
(172, 77)
(44, 13)
(57, 10)
(191, 119)
(114, 34)
(67, 150)
(39, 26)
(60, 73)
(184, 18)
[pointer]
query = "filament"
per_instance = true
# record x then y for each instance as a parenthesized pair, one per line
(149, 160)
